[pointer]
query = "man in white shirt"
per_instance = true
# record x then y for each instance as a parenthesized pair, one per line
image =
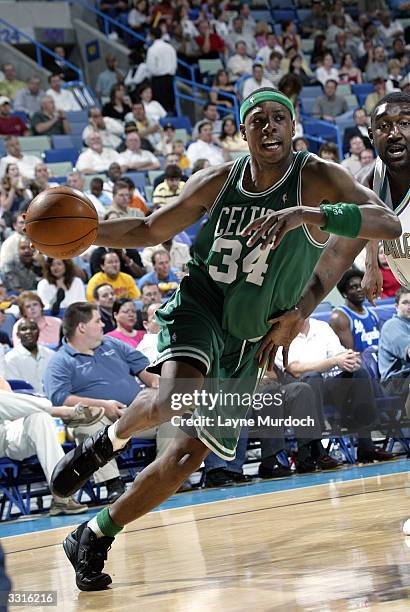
(148, 344)
(204, 147)
(162, 64)
(96, 158)
(10, 247)
(240, 63)
(256, 81)
(63, 98)
(26, 163)
(28, 361)
(237, 33)
(135, 158)
(264, 53)
(353, 163)
(108, 128)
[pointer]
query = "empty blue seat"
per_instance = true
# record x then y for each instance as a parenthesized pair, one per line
(312, 91)
(284, 14)
(77, 116)
(77, 128)
(178, 122)
(53, 156)
(281, 4)
(138, 178)
(362, 89)
(67, 141)
(2, 148)
(22, 116)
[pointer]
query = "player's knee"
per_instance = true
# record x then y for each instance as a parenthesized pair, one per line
(185, 455)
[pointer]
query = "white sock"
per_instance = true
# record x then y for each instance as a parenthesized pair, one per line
(93, 525)
(117, 443)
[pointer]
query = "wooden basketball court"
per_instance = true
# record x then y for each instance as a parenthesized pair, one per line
(332, 547)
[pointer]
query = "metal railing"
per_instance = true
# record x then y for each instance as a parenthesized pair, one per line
(18, 34)
(197, 99)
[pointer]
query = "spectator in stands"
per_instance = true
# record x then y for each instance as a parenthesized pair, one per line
(366, 158)
(125, 316)
(352, 163)
(121, 201)
(360, 128)
(76, 180)
(210, 44)
(153, 109)
(329, 151)
(376, 67)
(49, 121)
(296, 68)
(162, 65)
(316, 21)
(221, 86)
(118, 106)
(129, 258)
(348, 72)
(205, 148)
(390, 284)
(31, 307)
(166, 143)
(27, 428)
(104, 297)
(291, 86)
(300, 144)
(168, 191)
(60, 286)
(272, 46)
(330, 105)
(110, 130)
(230, 139)
(28, 100)
(319, 50)
(150, 294)
(10, 125)
(108, 380)
(273, 71)
(13, 191)
(356, 325)
(173, 159)
(238, 34)
(257, 81)
(22, 272)
(97, 190)
(400, 52)
(10, 85)
(148, 343)
(394, 349)
(147, 129)
(9, 248)
(162, 274)
(405, 84)
(108, 78)
(42, 177)
(327, 71)
(317, 357)
(64, 99)
(137, 200)
(138, 17)
(114, 174)
(122, 283)
(134, 158)
(178, 252)
(137, 71)
(394, 76)
(379, 93)
(26, 163)
(389, 30)
(96, 158)
(240, 63)
(59, 66)
(210, 114)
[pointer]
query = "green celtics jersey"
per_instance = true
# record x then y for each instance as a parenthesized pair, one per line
(247, 286)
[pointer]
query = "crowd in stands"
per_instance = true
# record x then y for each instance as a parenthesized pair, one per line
(130, 158)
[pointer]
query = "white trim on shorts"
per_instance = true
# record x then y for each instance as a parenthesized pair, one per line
(183, 351)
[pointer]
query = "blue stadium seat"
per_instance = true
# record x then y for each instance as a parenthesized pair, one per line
(282, 4)
(77, 128)
(262, 15)
(53, 156)
(361, 89)
(284, 14)
(307, 105)
(138, 178)
(311, 91)
(2, 148)
(19, 385)
(22, 116)
(178, 122)
(77, 116)
(67, 141)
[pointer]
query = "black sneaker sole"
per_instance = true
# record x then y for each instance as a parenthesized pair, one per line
(70, 548)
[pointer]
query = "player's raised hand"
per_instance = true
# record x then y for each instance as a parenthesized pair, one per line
(272, 228)
(372, 283)
(283, 330)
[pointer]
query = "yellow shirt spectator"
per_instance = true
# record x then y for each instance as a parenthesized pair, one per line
(124, 285)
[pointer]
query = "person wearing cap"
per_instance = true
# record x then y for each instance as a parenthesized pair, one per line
(261, 265)
(10, 85)
(330, 105)
(110, 130)
(168, 191)
(257, 80)
(374, 97)
(9, 125)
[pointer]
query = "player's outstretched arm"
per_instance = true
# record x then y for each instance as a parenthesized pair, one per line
(335, 203)
(195, 200)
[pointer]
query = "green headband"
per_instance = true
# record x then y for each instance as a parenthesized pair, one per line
(265, 96)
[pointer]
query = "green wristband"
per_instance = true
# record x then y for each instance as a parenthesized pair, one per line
(342, 219)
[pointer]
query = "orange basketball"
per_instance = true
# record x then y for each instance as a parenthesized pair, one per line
(61, 222)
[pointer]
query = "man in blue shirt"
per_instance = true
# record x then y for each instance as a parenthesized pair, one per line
(162, 274)
(98, 369)
(394, 347)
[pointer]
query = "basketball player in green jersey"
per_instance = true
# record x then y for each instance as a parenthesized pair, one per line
(238, 303)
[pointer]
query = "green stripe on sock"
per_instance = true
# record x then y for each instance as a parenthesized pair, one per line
(106, 524)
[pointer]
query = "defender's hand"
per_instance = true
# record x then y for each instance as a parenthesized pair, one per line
(372, 283)
(284, 329)
(272, 228)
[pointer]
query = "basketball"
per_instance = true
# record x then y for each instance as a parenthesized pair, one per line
(61, 222)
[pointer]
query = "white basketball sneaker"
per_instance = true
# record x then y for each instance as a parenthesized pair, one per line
(406, 528)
